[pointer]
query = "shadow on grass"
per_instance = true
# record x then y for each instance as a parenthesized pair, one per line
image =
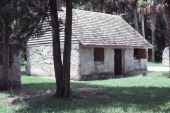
(120, 99)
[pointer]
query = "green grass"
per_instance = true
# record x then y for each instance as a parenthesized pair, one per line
(23, 67)
(4, 95)
(156, 64)
(133, 94)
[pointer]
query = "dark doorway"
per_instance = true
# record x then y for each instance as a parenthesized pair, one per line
(118, 62)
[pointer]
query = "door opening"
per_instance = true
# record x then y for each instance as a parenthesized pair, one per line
(118, 62)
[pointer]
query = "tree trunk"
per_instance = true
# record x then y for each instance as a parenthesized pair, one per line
(143, 26)
(67, 48)
(153, 27)
(153, 43)
(101, 6)
(135, 20)
(56, 49)
(5, 77)
(62, 73)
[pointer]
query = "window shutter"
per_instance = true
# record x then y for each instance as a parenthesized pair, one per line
(98, 54)
(141, 54)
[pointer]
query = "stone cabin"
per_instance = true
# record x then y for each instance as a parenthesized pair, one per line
(103, 46)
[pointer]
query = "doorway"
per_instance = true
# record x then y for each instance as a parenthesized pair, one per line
(118, 62)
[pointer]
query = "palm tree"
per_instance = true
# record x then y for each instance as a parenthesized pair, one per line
(142, 11)
(152, 11)
(134, 6)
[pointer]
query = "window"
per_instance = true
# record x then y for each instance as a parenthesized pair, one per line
(140, 54)
(98, 54)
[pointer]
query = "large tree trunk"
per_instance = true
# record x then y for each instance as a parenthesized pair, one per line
(153, 43)
(5, 77)
(62, 73)
(101, 6)
(56, 49)
(153, 27)
(67, 48)
(135, 20)
(143, 25)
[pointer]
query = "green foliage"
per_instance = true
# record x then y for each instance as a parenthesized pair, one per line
(82, 4)
(4, 95)
(128, 15)
(23, 15)
(143, 3)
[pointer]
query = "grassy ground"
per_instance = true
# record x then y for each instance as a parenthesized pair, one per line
(133, 94)
(156, 64)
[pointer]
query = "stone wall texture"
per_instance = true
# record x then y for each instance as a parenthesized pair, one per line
(75, 62)
(165, 56)
(40, 61)
(128, 60)
(83, 66)
(90, 70)
(132, 66)
(14, 68)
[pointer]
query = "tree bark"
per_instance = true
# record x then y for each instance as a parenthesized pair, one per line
(135, 20)
(56, 49)
(101, 6)
(143, 25)
(5, 77)
(153, 27)
(62, 72)
(67, 49)
(153, 43)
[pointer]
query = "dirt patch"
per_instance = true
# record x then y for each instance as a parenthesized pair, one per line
(7, 101)
(86, 93)
(77, 94)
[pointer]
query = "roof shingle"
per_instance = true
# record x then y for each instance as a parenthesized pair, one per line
(99, 29)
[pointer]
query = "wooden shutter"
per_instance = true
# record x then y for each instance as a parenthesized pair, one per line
(98, 54)
(141, 54)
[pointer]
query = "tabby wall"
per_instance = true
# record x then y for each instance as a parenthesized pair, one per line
(83, 67)
(40, 61)
(132, 66)
(90, 69)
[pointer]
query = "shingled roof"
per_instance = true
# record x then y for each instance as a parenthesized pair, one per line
(100, 30)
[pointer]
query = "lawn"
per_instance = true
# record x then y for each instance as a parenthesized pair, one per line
(133, 94)
(156, 64)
